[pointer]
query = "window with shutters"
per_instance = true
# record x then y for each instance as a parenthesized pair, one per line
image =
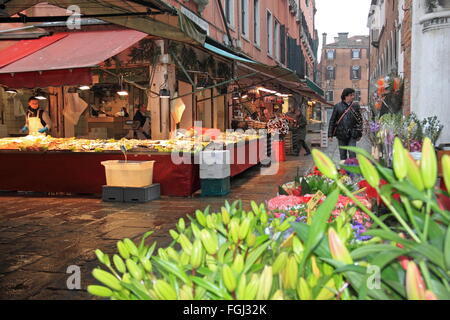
(356, 53)
(330, 54)
(283, 44)
(269, 24)
(329, 95)
(355, 73)
(330, 75)
(229, 12)
(244, 18)
(256, 23)
(277, 40)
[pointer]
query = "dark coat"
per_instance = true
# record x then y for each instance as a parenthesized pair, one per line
(299, 127)
(352, 120)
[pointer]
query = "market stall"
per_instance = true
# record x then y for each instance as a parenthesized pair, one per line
(45, 164)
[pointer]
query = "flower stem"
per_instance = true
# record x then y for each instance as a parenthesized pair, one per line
(407, 205)
(426, 274)
(427, 217)
(363, 208)
(398, 217)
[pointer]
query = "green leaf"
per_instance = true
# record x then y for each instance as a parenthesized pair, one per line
(367, 250)
(320, 221)
(306, 189)
(439, 290)
(254, 255)
(447, 249)
(385, 257)
(138, 289)
(357, 280)
(142, 244)
(222, 294)
(204, 271)
(150, 251)
(302, 231)
(282, 192)
(388, 235)
(352, 169)
(173, 269)
(430, 252)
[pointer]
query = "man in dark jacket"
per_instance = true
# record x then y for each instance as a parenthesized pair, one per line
(346, 123)
(298, 125)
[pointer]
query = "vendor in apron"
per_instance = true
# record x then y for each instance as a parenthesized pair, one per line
(37, 121)
(142, 132)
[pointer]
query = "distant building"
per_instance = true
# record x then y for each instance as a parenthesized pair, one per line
(411, 39)
(344, 64)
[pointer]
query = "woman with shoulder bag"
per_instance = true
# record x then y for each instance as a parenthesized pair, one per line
(346, 123)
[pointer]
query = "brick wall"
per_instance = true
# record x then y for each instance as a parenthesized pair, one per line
(342, 63)
(406, 47)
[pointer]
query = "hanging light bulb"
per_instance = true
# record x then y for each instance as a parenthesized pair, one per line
(164, 93)
(84, 88)
(121, 92)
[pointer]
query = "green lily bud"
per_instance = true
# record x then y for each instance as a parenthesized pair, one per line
(123, 250)
(135, 271)
(147, 264)
(399, 159)
(107, 279)
(325, 293)
(209, 242)
(324, 164)
(446, 170)
(303, 290)
(368, 171)
(196, 256)
(164, 291)
(252, 288)
(238, 264)
(200, 218)
(251, 239)
(174, 234)
(240, 291)
(225, 216)
(181, 224)
(100, 291)
(244, 228)
(428, 164)
(131, 247)
(265, 284)
(119, 264)
(278, 295)
(279, 262)
(413, 172)
(229, 279)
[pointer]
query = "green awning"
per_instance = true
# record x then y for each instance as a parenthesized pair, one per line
(314, 86)
(271, 71)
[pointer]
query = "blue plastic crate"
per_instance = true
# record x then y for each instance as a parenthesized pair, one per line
(112, 194)
(215, 187)
(143, 194)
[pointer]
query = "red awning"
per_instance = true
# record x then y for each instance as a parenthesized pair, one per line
(24, 48)
(55, 64)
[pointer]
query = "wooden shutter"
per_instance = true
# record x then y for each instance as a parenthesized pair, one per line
(283, 44)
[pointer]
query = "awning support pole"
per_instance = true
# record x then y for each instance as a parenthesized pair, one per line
(183, 69)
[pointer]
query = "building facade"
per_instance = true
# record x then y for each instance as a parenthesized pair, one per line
(271, 32)
(411, 39)
(344, 64)
(389, 22)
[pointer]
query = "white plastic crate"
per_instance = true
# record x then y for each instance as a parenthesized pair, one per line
(215, 171)
(210, 157)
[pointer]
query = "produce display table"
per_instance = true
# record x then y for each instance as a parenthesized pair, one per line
(82, 172)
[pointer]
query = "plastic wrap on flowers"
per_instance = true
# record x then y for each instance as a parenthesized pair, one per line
(278, 126)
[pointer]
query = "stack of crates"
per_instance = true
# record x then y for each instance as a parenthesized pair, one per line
(215, 172)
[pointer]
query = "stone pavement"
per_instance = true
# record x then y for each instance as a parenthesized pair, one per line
(41, 235)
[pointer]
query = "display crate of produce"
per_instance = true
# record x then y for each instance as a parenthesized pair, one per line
(215, 187)
(252, 124)
(289, 143)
